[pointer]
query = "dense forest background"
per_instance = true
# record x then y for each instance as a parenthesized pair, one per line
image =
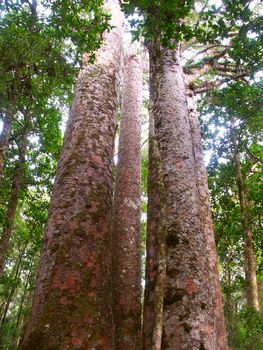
(42, 47)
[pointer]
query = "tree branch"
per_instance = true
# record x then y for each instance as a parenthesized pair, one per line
(191, 60)
(208, 86)
(253, 155)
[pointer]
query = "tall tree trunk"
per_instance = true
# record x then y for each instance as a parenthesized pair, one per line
(188, 320)
(127, 212)
(27, 302)
(155, 244)
(4, 137)
(23, 303)
(248, 247)
(5, 306)
(16, 275)
(72, 305)
(205, 210)
(229, 307)
(18, 179)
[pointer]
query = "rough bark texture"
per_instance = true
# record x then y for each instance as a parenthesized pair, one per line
(155, 244)
(248, 247)
(4, 137)
(188, 321)
(72, 304)
(127, 212)
(13, 200)
(205, 210)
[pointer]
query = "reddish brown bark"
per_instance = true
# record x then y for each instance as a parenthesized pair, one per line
(188, 321)
(18, 179)
(155, 244)
(127, 212)
(4, 137)
(72, 304)
(205, 210)
(248, 246)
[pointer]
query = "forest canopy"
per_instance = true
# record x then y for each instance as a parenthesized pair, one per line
(140, 94)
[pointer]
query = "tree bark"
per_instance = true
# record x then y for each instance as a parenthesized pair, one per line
(205, 210)
(188, 320)
(72, 305)
(248, 246)
(155, 244)
(127, 212)
(18, 179)
(4, 137)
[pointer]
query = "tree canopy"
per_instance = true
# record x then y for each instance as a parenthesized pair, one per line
(41, 48)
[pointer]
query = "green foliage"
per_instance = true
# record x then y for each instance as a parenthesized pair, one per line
(249, 330)
(241, 103)
(37, 52)
(162, 18)
(40, 53)
(174, 21)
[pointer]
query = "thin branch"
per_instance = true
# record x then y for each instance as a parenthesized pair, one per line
(200, 14)
(144, 142)
(206, 63)
(191, 60)
(253, 155)
(208, 86)
(14, 136)
(33, 7)
(229, 69)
